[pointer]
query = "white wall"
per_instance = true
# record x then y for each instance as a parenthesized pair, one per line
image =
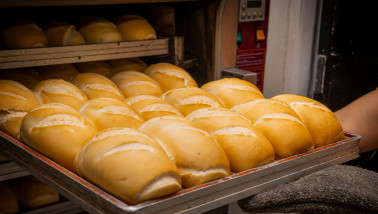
(289, 47)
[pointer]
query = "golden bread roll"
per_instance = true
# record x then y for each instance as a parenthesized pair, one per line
(98, 67)
(128, 164)
(98, 30)
(57, 131)
(150, 106)
(190, 99)
(245, 146)
(16, 102)
(22, 33)
(61, 71)
(97, 86)
(28, 76)
(233, 91)
(255, 109)
(128, 64)
(170, 76)
(287, 134)
(135, 28)
(8, 200)
(107, 113)
(319, 120)
(198, 156)
(3, 158)
(60, 33)
(32, 193)
(59, 91)
(133, 83)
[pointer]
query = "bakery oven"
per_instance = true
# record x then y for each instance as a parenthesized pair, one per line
(209, 39)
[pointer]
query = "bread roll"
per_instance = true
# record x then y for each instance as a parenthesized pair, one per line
(128, 64)
(150, 107)
(319, 120)
(61, 71)
(169, 76)
(59, 91)
(22, 33)
(233, 91)
(32, 193)
(57, 131)
(98, 67)
(108, 113)
(8, 200)
(133, 83)
(28, 76)
(3, 158)
(245, 146)
(198, 156)
(16, 102)
(287, 134)
(60, 33)
(97, 86)
(190, 99)
(255, 109)
(135, 28)
(98, 30)
(129, 165)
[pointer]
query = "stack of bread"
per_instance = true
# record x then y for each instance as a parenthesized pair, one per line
(23, 33)
(180, 135)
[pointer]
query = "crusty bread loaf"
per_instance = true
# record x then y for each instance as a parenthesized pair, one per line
(170, 76)
(255, 109)
(59, 91)
(59, 33)
(233, 91)
(287, 134)
(319, 120)
(22, 33)
(98, 67)
(198, 156)
(32, 193)
(97, 86)
(150, 106)
(246, 147)
(135, 28)
(133, 83)
(28, 76)
(57, 131)
(128, 164)
(61, 71)
(8, 200)
(190, 99)
(127, 64)
(107, 113)
(16, 101)
(98, 30)
(3, 158)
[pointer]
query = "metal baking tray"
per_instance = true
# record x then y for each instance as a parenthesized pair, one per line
(201, 198)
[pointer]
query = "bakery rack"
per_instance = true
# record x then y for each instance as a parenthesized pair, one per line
(198, 199)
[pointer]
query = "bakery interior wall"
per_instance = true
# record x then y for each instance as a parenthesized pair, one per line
(289, 47)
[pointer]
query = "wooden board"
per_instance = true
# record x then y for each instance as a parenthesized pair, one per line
(81, 53)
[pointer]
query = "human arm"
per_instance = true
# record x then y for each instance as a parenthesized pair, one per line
(361, 117)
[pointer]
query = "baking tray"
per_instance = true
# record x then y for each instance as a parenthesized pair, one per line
(201, 198)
